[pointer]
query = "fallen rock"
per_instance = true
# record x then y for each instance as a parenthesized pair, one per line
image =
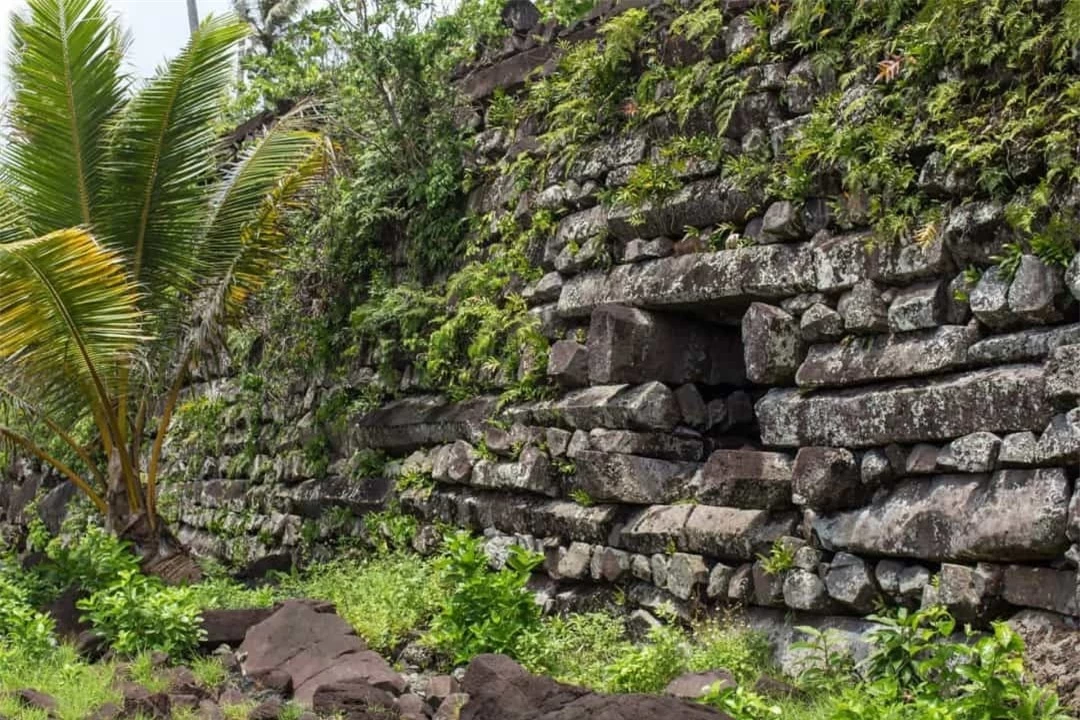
(500, 689)
(228, 627)
(693, 685)
(314, 649)
(356, 700)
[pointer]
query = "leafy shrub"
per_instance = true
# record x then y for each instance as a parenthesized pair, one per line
(485, 610)
(385, 598)
(649, 667)
(780, 559)
(741, 703)
(577, 649)
(24, 631)
(90, 558)
(727, 643)
(916, 672)
(137, 613)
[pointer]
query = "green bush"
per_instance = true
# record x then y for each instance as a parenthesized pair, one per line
(485, 610)
(649, 667)
(90, 558)
(577, 649)
(24, 632)
(917, 672)
(387, 598)
(137, 613)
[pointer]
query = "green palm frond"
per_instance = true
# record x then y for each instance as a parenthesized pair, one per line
(66, 88)
(163, 163)
(67, 317)
(244, 233)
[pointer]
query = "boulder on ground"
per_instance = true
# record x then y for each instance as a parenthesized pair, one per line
(500, 689)
(315, 649)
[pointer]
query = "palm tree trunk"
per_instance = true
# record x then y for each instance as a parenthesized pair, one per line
(160, 551)
(192, 16)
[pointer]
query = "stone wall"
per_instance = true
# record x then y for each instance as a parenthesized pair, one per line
(852, 408)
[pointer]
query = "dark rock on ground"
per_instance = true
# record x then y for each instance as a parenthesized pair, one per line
(355, 700)
(500, 689)
(314, 649)
(228, 627)
(693, 685)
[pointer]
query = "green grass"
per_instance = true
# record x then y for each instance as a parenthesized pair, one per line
(78, 687)
(386, 598)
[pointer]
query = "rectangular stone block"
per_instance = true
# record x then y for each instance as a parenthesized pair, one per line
(697, 204)
(629, 345)
(1009, 516)
(612, 477)
(411, 423)
(999, 400)
(1022, 346)
(655, 529)
(651, 406)
(883, 357)
(728, 278)
(747, 479)
(843, 260)
(1041, 587)
(734, 535)
(659, 445)
(531, 473)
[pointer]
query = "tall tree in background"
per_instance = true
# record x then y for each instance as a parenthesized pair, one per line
(268, 18)
(126, 249)
(192, 16)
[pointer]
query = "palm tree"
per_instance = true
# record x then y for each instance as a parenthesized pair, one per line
(192, 15)
(126, 249)
(267, 18)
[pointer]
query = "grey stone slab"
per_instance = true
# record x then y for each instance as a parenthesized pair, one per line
(999, 400)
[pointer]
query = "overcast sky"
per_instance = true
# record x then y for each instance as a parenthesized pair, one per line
(159, 28)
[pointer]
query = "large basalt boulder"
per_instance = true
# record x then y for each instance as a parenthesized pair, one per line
(411, 423)
(706, 280)
(1011, 515)
(230, 626)
(500, 689)
(1037, 291)
(827, 479)
(356, 700)
(697, 204)
(628, 345)
(532, 473)
(999, 400)
(612, 477)
(659, 445)
(315, 647)
(1023, 346)
(842, 261)
(1063, 375)
(772, 344)
(1041, 587)
(747, 479)
(884, 357)
(651, 406)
